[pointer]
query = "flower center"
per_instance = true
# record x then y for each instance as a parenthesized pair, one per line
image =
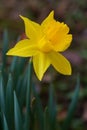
(51, 31)
(44, 44)
(52, 36)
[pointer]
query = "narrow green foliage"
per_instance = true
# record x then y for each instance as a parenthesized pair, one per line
(72, 107)
(14, 64)
(38, 109)
(17, 115)
(17, 69)
(10, 102)
(46, 119)
(5, 126)
(19, 87)
(28, 96)
(51, 109)
(2, 94)
(21, 64)
(20, 105)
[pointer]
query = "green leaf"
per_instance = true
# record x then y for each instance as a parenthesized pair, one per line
(21, 64)
(52, 108)
(21, 89)
(5, 126)
(72, 107)
(38, 109)
(17, 114)
(10, 103)
(14, 64)
(2, 96)
(14, 70)
(1, 124)
(17, 68)
(46, 119)
(28, 96)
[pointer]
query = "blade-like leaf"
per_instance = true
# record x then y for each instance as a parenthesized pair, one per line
(51, 108)
(72, 106)
(2, 96)
(17, 68)
(28, 96)
(21, 64)
(1, 122)
(5, 126)
(10, 103)
(38, 109)
(21, 89)
(17, 115)
(14, 64)
(14, 70)
(46, 119)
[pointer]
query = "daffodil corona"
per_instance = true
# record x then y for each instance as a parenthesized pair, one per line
(44, 43)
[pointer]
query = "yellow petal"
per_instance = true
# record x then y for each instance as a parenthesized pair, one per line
(23, 48)
(48, 19)
(32, 29)
(40, 63)
(62, 43)
(60, 63)
(62, 40)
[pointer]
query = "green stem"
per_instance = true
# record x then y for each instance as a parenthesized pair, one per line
(28, 96)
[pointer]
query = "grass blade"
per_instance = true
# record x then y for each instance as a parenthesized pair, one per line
(38, 109)
(17, 114)
(13, 64)
(51, 108)
(1, 124)
(72, 107)
(10, 103)
(5, 126)
(2, 96)
(28, 96)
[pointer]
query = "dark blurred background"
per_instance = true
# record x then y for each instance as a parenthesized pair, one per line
(74, 14)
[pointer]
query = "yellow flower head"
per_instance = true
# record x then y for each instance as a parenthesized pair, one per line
(44, 43)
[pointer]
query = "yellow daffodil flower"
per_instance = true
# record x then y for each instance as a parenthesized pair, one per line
(44, 43)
